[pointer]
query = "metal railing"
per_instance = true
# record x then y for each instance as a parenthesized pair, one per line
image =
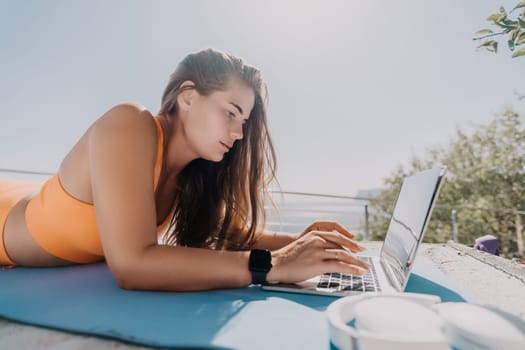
(296, 210)
(355, 214)
(25, 172)
(351, 211)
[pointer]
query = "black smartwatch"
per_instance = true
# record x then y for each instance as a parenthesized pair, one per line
(260, 263)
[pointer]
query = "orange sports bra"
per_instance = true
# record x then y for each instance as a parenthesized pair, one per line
(65, 226)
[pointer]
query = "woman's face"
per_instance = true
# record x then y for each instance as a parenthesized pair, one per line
(214, 123)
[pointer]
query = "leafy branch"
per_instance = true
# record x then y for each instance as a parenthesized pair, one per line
(514, 28)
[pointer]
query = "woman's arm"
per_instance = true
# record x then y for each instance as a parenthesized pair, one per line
(273, 240)
(122, 151)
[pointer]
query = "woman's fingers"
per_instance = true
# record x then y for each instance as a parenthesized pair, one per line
(340, 228)
(342, 267)
(330, 226)
(340, 240)
(314, 253)
(344, 256)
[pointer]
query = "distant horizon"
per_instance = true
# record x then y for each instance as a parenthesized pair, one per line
(29, 175)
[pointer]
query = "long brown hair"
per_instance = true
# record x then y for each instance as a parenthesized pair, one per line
(221, 204)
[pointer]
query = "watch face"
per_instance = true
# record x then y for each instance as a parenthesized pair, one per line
(260, 263)
(260, 260)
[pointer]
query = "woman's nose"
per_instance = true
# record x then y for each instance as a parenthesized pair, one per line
(236, 131)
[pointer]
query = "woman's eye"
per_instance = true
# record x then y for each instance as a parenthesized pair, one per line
(231, 115)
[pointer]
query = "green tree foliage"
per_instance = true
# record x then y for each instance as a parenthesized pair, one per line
(485, 183)
(513, 28)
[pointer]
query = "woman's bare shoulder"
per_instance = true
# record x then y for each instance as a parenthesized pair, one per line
(128, 115)
(126, 130)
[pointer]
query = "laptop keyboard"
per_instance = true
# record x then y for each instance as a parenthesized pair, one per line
(336, 281)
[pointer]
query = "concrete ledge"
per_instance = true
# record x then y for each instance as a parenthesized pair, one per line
(509, 267)
(487, 279)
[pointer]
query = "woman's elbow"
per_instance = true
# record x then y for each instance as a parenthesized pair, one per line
(126, 283)
(126, 275)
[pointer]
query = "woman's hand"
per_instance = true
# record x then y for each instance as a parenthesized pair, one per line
(324, 246)
(327, 226)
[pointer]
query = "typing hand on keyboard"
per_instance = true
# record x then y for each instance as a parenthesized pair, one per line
(323, 246)
(338, 281)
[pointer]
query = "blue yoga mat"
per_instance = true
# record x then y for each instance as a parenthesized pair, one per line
(86, 299)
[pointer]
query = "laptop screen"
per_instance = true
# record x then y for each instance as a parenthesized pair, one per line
(411, 214)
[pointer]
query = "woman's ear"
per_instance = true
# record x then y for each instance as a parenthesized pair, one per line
(186, 95)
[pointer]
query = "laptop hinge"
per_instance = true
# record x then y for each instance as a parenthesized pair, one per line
(391, 275)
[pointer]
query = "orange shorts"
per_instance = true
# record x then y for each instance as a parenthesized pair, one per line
(11, 191)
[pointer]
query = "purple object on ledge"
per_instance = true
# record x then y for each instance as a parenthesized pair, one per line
(487, 243)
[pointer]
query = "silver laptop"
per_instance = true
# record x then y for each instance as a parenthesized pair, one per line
(390, 270)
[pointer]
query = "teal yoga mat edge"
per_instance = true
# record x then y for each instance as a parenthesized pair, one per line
(431, 280)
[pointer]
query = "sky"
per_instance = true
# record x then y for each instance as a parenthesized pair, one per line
(356, 88)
